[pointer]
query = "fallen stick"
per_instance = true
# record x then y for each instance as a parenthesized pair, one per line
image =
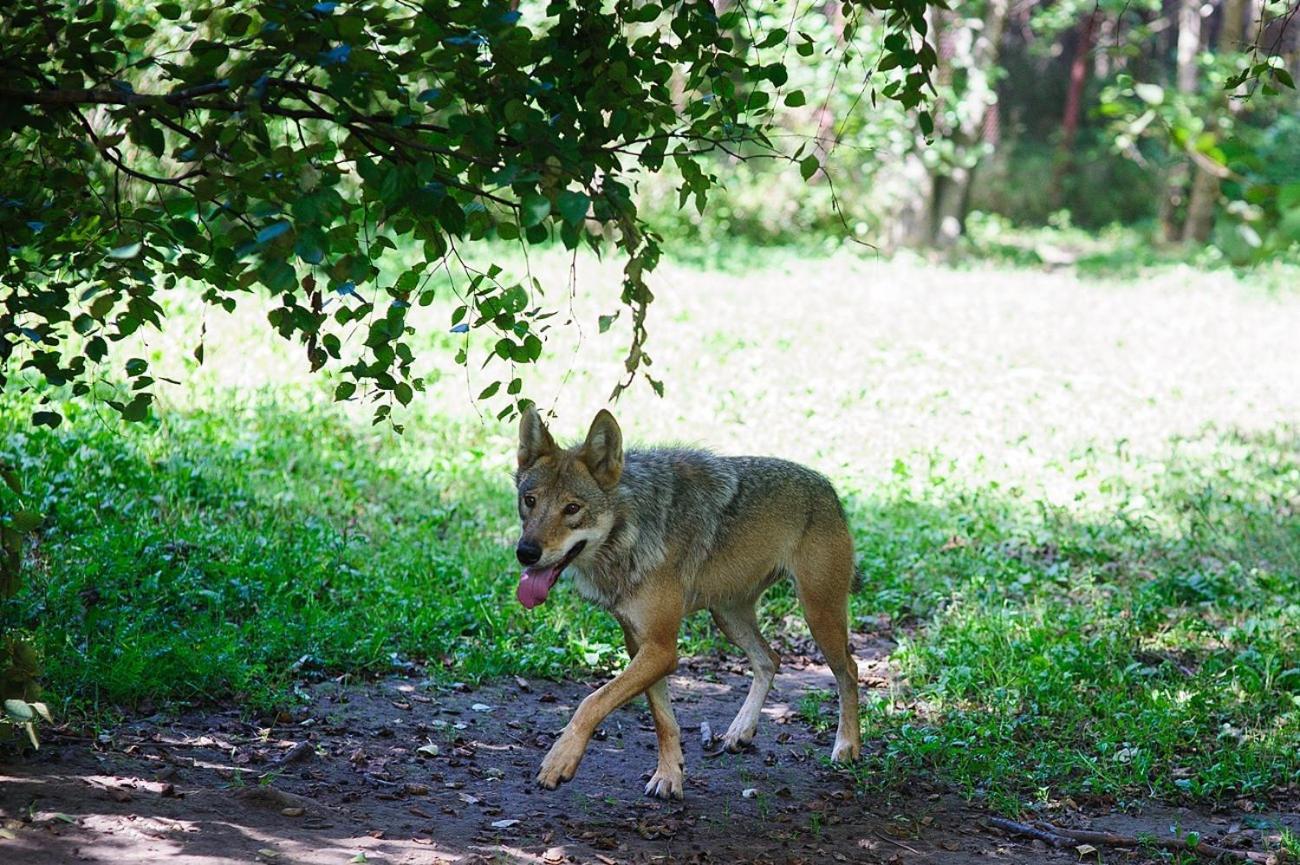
(1059, 837)
(270, 796)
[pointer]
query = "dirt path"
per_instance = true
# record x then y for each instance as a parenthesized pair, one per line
(346, 781)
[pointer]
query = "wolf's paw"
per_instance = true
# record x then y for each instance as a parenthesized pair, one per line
(740, 735)
(845, 751)
(666, 782)
(735, 742)
(561, 762)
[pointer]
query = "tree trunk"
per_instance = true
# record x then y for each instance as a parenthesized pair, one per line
(1186, 49)
(950, 195)
(1204, 199)
(1073, 104)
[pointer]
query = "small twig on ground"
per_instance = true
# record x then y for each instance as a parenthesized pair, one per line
(1059, 837)
(884, 837)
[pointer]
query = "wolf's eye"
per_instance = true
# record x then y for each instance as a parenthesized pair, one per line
(529, 501)
(572, 508)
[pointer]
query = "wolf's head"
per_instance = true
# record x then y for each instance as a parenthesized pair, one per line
(566, 499)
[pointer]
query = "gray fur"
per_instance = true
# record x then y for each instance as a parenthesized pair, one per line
(690, 500)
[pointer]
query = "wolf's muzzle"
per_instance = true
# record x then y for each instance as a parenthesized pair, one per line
(528, 552)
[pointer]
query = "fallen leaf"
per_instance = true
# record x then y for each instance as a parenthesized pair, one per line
(504, 824)
(468, 799)
(749, 792)
(481, 707)
(7, 835)
(523, 683)
(429, 750)
(1085, 849)
(293, 812)
(553, 855)
(266, 853)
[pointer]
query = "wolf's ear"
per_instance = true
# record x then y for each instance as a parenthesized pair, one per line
(602, 452)
(535, 440)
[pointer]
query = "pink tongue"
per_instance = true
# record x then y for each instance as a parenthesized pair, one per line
(535, 585)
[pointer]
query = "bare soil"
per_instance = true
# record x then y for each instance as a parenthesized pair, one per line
(403, 771)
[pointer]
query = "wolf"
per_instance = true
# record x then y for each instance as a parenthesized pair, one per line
(653, 535)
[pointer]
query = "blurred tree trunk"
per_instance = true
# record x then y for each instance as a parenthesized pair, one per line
(1073, 104)
(1204, 198)
(950, 193)
(1186, 79)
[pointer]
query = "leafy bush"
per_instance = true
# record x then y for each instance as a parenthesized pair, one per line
(19, 667)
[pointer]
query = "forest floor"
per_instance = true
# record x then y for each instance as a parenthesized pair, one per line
(402, 770)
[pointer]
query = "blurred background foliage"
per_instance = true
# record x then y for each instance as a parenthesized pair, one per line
(1059, 113)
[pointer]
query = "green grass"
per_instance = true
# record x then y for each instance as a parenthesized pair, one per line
(1156, 651)
(1076, 502)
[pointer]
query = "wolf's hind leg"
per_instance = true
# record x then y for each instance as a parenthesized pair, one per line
(823, 578)
(740, 624)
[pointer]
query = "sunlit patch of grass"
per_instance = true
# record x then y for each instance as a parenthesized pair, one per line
(1112, 660)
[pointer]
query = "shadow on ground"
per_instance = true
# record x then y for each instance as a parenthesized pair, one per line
(402, 771)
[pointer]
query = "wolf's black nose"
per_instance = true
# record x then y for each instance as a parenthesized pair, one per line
(528, 552)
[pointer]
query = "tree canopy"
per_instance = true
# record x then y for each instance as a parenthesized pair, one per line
(288, 146)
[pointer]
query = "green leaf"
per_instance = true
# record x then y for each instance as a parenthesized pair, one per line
(808, 167)
(490, 391)
(170, 11)
(27, 521)
(533, 208)
(19, 709)
(573, 206)
(138, 408)
(1152, 94)
(130, 250)
(46, 418)
(344, 390)
(237, 24)
(795, 99)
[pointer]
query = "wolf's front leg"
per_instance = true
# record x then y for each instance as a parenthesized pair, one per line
(668, 781)
(654, 661)
(669, 778)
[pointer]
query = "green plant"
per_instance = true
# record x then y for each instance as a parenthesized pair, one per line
(19, 666)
